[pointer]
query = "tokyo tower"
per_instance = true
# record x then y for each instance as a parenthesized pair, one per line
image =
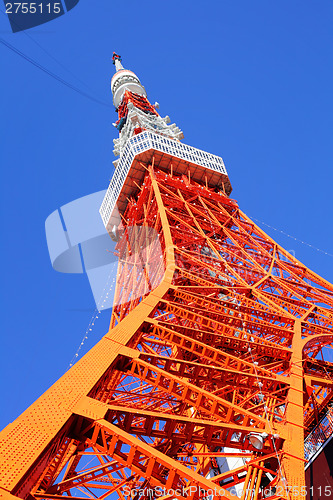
(214, 369)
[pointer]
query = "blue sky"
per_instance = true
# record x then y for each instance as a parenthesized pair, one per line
(248, 81)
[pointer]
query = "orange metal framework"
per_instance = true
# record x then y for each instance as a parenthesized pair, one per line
(217, 355)
(139, 101)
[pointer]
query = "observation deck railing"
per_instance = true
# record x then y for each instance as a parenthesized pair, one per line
(144, 142)
(319, 435)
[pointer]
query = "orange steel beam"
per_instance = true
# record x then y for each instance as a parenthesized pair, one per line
(214, 345)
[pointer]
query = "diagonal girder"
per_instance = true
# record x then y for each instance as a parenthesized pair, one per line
(205, 349)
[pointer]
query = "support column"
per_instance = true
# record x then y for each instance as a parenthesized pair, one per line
(293, 461)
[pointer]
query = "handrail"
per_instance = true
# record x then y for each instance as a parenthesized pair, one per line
(319, 435)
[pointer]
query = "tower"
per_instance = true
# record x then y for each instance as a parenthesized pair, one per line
(213, 370)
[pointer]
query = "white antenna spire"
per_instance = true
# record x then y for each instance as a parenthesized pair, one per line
(117, 61)
(122, 80)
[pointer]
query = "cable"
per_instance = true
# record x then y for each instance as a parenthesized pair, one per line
(46, 52)
(293, 237)
(53, 75)
(99, 306)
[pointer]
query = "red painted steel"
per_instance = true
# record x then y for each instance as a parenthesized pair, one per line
(217, 348)
(211, 375)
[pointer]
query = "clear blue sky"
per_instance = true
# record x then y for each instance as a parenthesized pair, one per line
(249, 81)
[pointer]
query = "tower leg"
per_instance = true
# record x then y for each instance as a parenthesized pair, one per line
(293, 461)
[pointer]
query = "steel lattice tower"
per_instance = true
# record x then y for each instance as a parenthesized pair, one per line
(213, 370)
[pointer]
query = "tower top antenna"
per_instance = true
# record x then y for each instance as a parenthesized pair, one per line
(116, 59)
(122, 80)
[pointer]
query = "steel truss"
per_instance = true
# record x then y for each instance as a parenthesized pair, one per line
(216, 352)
